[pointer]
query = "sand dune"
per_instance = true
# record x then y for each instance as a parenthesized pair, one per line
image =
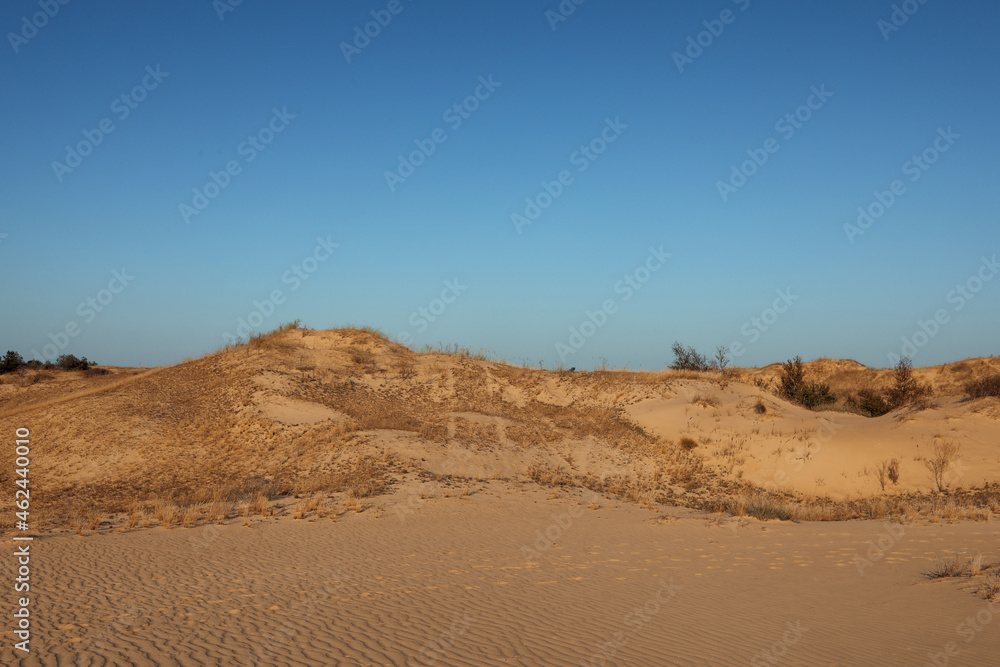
(331, 497)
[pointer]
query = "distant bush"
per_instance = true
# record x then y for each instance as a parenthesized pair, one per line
(793, 378)
(871, 403)
(983, 387)
(688, 359)
(794, 387)
(688, 443)
(905, 388)
(69, 362)
(11, 362)
(815, 395)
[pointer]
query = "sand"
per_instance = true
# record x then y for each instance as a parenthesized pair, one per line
(468, 530)
(474, 581)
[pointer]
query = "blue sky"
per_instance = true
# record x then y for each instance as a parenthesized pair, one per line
(645, 141)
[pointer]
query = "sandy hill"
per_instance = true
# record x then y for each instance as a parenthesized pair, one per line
(349, 412)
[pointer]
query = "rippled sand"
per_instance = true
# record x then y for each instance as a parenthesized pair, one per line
(475, 581)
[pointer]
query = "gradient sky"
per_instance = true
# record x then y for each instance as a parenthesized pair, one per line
(343, 125)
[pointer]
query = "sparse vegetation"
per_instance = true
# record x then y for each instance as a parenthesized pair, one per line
(989, 588)
(943, 454)
(983, 387)
(794, 387)
(870, 403)
(256, 462)
(887, 470)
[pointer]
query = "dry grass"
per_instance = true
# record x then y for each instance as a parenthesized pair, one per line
(887, 470)
(989, 588)
(955, 566)
(136, 516)
(705, 401)
(190, 515)
(166, 514)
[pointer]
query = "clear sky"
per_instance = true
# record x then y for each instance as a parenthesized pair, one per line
(502, 174)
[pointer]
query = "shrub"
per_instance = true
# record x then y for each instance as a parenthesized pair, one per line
(69, 362)
(892, 470)
(721, 360)
(687, 443)
(990, 587)
(759, 407)
(815, 395)
(688, 359)
(871, 403)
(887, 470)
(905, 387)
(11, 362)
(793, 377)
(981, 388)
(948, 567)
(944, 454)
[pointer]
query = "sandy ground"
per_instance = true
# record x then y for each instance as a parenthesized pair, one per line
(475, 581)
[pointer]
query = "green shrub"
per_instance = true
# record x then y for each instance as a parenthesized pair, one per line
(11, 362)
(793, 378)
(871, 403)
(69, 362)
(905, 387)
(815, 395)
